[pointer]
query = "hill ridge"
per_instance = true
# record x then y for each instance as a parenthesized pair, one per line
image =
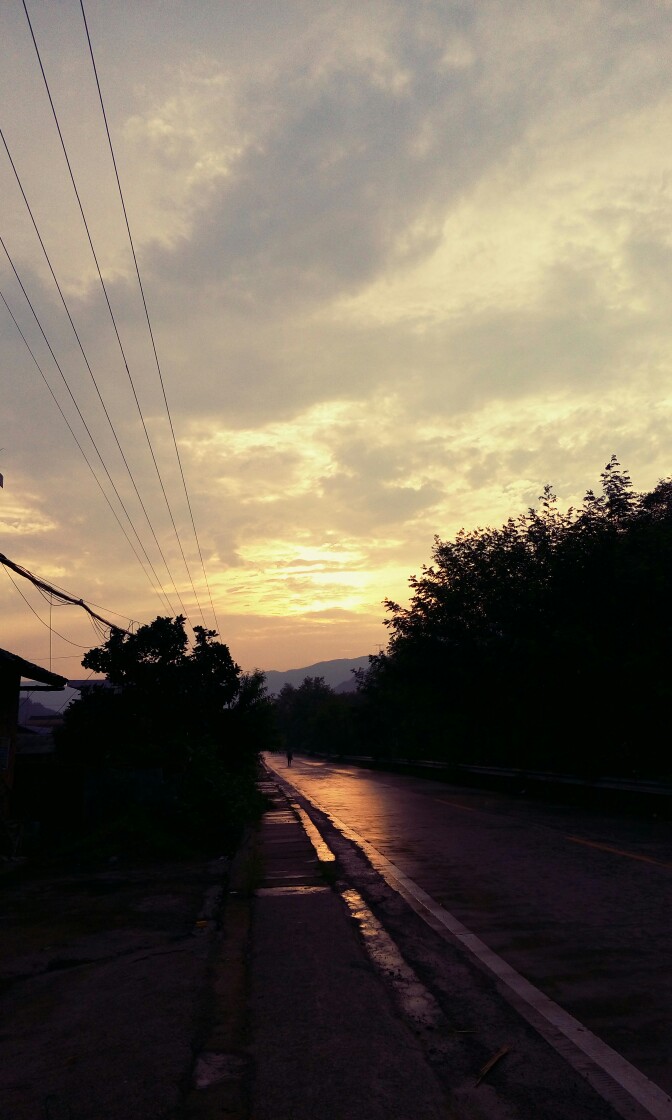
(335, 672)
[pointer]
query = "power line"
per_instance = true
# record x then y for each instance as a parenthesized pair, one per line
(88, 366)
(61, 595)
(108, 610)
(48, 597)
(84, 455)
(144, 303)
(158, 590)
(109, 307)
(39, 619)
(86, 427)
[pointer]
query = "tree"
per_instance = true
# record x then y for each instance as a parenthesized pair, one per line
(314, 718)
(189, 715)
(617, 490)
(542, 643)
(171, 697)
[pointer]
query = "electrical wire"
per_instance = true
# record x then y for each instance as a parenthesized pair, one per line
(90, 370)
(68, 596)
(146, 309)
(39, 618)
(108, 610)
(111, 312)
(160, 592)
(62, 595)
(89, 464)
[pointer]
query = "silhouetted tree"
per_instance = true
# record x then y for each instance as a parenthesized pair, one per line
(189, 714)
(543, 643)
(313, 718)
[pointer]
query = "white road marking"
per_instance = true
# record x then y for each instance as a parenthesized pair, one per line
(635, 1085)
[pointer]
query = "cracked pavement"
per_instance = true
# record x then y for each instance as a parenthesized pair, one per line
(97, 1019)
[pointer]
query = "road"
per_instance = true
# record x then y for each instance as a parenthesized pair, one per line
(579, 903)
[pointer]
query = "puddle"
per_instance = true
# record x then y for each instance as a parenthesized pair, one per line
(416, 1001)
(322, 849)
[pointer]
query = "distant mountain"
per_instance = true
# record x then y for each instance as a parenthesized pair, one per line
(53, 701)
(337, 674)
(31, 709)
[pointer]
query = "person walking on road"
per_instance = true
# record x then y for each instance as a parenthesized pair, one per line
(290, 756)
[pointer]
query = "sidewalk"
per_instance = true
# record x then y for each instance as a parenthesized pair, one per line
(304, 1027)
(131, 992)
(326, 1040)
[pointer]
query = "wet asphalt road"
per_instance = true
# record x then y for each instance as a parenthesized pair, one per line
(578, 902)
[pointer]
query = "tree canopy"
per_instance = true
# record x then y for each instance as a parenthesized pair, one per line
(544, 642)
(187, 713)
(314, 718)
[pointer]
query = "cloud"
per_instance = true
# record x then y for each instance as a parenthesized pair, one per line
(352, 157)
(404, 263)
(352, 149)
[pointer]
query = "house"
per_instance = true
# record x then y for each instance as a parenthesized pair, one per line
(13, 671)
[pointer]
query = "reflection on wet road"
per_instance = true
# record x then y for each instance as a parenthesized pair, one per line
(579, 903)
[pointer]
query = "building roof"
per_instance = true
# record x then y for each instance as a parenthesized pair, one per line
(29, 671)
(89, 683)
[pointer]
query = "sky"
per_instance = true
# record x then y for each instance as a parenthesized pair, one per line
(405, 262)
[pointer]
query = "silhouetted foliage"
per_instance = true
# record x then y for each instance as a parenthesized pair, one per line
(543, 644)
(314, 719)
(187, 723)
